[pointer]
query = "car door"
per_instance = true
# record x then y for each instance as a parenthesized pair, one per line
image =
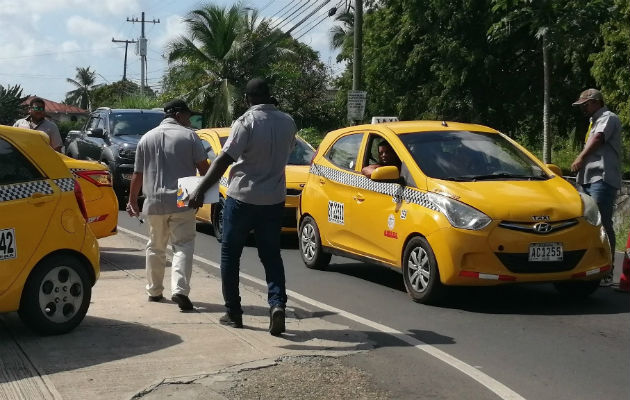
(336, 171)
(377, 208)
(27, 200)
(83, 144)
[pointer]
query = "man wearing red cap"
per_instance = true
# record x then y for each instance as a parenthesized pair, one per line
(598, 166)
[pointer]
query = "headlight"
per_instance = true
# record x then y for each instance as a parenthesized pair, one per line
(591, 211)
(460, 215)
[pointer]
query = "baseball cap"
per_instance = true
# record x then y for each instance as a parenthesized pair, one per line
(176, 105)
(589, 94)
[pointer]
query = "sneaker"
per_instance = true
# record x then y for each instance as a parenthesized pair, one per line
(607, 280)
(235, 321)
(182, 301)
(156, 299)
(276, 320)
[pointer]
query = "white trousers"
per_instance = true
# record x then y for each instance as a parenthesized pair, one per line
(180, 229)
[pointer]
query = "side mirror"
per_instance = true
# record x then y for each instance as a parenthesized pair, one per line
(97, 132)
(555, 169)
(387, 173)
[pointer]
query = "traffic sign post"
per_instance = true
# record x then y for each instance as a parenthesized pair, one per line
(356, 104)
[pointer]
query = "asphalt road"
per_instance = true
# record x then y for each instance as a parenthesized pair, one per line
(527, 337)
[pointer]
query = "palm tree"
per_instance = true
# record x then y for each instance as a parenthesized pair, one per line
(84, 83)
(222, 48)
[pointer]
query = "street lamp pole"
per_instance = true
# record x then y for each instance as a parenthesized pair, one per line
(358, 45)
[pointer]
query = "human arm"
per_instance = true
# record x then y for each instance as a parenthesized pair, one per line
(202, 167)
(367, 171)
(593, 144)
(215, 172)
(134, 191)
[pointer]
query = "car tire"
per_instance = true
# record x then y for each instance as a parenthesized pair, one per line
(310, 244)
(577, 289)
(56, 296)
(420, 272)
(217, 219)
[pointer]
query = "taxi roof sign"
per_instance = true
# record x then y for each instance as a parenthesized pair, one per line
(380, 120)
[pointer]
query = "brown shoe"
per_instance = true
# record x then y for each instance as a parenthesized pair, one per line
(182, 301)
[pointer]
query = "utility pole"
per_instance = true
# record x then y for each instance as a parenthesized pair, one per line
(142, 49)
(357, 60)
(126, 42)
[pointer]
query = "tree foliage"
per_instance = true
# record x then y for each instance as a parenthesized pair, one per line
(85, 83)
(10, 104)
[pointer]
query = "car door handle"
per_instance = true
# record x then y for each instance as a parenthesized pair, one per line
(38, 198)
(358, 198)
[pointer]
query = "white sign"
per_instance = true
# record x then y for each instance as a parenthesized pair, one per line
(186, 186)
(8, 249)
(335, 212)
(356, 104)
(380, 120)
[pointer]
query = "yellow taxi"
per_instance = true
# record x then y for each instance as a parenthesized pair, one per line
(49, 258)
(464, 205)
(296, 172)
(100, 199)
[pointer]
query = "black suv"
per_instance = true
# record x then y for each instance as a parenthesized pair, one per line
(111, 137)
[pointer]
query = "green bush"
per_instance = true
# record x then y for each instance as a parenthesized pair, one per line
(312, 136)
(67, 126)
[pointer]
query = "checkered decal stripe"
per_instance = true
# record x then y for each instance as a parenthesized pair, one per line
(65, 184)
(23, 190)
(395, 190)
(223, 181)
(75, 170)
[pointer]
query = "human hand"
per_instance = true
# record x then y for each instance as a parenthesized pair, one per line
(577, 164)
(195, 199)
(132, 208)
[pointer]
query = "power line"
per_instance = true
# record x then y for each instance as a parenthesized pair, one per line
(313, 24)
(289, 18)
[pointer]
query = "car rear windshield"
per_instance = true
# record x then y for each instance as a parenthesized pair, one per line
(302, 153)
(134, 123)
(470, 156)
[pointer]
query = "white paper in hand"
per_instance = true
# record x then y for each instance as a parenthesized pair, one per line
(187, 185)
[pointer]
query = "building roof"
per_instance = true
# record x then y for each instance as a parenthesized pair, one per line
(54, 107)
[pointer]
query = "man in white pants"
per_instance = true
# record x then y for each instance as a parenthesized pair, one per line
(164, 154)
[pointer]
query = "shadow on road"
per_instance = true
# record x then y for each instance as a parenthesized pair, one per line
(95, 341)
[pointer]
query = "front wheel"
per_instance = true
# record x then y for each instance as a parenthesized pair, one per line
(577, 289)
(311, 245)
(420, 271)
(56, 296)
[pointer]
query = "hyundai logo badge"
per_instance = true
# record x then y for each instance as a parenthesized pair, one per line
(542, 227)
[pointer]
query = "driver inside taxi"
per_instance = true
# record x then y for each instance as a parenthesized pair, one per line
(386, 156)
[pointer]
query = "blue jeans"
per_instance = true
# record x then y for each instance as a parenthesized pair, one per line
(604, 195)
(238, 220)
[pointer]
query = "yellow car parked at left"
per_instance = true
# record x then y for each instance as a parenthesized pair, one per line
(49, 258)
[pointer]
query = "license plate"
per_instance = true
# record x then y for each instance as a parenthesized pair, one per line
(545, 252)
(8, 249)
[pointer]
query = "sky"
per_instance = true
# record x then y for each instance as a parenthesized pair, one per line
(44, 41)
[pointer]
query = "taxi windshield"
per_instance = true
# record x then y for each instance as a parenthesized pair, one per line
(302, 153)
(134, 123)
(470, 156)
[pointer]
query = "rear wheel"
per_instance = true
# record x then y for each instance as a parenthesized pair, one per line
(311, 245)
(420, 272)
(577, 289)
(56, 296)
(217, 219)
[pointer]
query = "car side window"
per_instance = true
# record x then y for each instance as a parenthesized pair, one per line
(206, 146)
(14, 167)
(345, 151)
(92, 123)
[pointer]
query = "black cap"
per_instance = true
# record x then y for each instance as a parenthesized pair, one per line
(176, 105)
(257, 87)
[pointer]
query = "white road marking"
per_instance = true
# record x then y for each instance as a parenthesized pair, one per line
(492, 384)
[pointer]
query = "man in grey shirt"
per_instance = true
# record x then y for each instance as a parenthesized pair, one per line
(259, 143)
(165, 153)
(37, 121)
(598, 166)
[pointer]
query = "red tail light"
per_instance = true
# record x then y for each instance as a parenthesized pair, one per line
(79, 196)
(98, 178)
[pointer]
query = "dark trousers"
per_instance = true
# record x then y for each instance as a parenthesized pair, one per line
(604, 195)
(239, 219)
